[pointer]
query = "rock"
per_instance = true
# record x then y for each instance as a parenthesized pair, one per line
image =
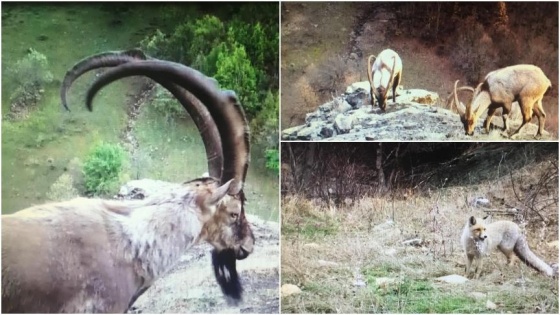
(478, 295)
(364, 85)
(411, 117)
(481, 202)
(455, 279)
(341, 106)
(291, 131)
(419, 96)
(307, 133)
(289, 289)
(358, 98)
(390, 252)
(142, 188)
(491, 305)
(553, 244)
(343, 124)
(327, 132)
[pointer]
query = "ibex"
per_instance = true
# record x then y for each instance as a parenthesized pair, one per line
(93, 255)
(525, 84)
(386, 70)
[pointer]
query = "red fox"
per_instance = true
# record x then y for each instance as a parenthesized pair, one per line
(480, 238)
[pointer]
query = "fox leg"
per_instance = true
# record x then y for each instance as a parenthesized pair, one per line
(510, 257)
(478, 270)
(469, 264)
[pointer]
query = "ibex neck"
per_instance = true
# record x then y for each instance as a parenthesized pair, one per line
(480, 104)
(153, 236)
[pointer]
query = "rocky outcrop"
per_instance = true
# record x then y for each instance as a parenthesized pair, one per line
(414, 116)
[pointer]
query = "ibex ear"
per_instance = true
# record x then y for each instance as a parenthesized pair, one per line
(219, 193)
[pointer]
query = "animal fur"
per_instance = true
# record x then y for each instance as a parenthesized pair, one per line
(99, 256)
(525, 84)
(480, 238)
(93, 255)
(385, 71)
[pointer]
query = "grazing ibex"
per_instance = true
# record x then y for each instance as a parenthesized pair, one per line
(92, 255)
(385, 71)
(525, 84)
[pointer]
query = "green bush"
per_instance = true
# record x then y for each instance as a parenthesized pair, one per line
(272, 160)
(30, 75)
(235, 72)
(103, 167)
(240, 52)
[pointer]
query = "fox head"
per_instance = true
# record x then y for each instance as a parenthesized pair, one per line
(477, 227)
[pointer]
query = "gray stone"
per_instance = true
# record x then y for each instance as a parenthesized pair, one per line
(358, 98)
(327, 132)
(343, 124)
(364, 85)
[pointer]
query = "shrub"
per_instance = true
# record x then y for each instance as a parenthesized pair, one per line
(235, 72)
(30, 74)
(272, 160)
(103, 167)
(62, 189)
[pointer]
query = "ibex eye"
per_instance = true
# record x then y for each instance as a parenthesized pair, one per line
(234, 215)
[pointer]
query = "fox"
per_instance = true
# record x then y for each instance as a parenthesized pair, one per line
(480, 238)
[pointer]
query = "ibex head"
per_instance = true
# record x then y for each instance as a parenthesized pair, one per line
(223, 127)
(465, 112)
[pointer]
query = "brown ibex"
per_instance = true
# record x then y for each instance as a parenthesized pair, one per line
(92, 255)
(525, 84)
(385, 71)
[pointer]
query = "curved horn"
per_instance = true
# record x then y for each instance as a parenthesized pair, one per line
(106, 59)
(369, 72)
(198, 112)
(460, 107)
(370, 78)
(222, 105)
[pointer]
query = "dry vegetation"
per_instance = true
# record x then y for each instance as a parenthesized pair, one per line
(328, 248)
(439, 43)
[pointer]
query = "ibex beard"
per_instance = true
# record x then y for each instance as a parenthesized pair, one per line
(94, 255)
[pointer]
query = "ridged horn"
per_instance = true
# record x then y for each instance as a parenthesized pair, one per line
(223, 106)
(370, 76)
(198, 112)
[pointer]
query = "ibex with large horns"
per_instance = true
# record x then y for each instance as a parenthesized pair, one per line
(386, 71)
(525, 84)
(93, 255)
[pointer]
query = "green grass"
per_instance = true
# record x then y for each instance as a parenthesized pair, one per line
(38, 149)
(311, 227)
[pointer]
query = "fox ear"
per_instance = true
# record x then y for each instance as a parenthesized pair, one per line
(472, 220)
(487, 218)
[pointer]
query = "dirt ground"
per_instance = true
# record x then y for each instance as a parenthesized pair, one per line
(315, 33)
(190, 287)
